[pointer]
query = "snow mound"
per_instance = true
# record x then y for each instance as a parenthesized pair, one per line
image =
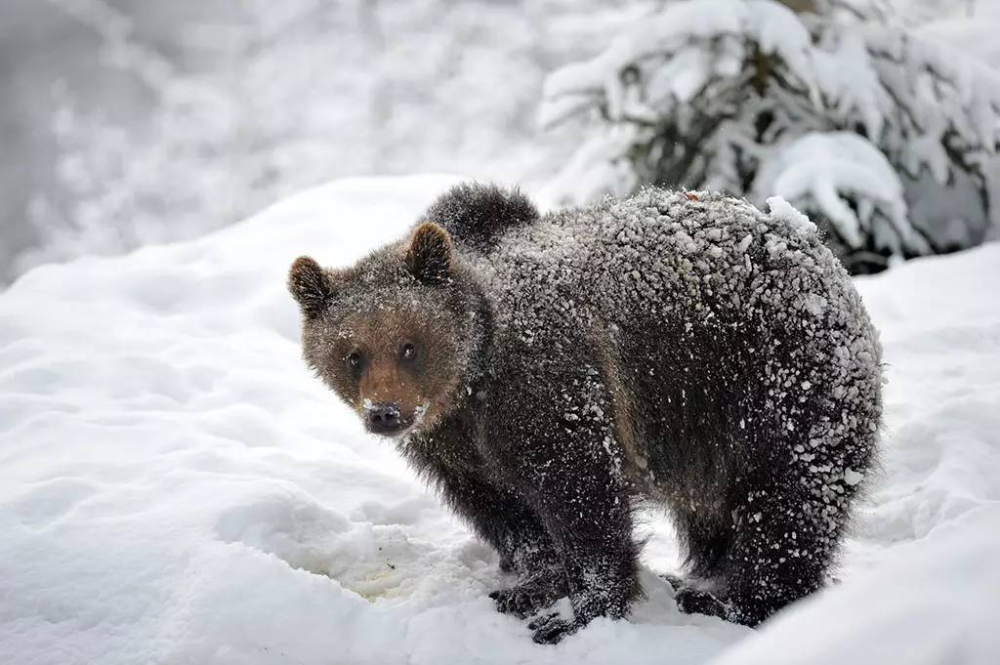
(177, 488)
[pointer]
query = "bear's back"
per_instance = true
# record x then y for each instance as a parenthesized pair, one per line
(684, 256)
(706, 273)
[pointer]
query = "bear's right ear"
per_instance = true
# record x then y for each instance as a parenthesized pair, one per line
(429, 256)
(310, 285)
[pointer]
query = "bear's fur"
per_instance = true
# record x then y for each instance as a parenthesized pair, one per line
(547, 372)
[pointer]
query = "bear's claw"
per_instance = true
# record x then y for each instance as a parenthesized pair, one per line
(551, 628)
(525, 599)
(694, 601)
(531, 595)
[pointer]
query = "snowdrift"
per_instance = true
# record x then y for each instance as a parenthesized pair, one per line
(176, 488)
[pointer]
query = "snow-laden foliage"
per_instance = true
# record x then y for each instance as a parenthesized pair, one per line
(821, 171)
(886, 139)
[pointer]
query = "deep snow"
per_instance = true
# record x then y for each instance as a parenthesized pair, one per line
(175, 487)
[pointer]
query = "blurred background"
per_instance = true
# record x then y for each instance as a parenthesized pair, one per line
(128, 122)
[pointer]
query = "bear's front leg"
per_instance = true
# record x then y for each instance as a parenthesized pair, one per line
(503, 519)
(528, 550)
(594, 537)
(532, 593)
(561, 455)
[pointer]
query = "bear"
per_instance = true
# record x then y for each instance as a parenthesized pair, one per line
(549, 374)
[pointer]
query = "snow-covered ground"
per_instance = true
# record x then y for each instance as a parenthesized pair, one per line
(175, 487)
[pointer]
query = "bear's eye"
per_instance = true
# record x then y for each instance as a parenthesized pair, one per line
(354, 359)
(408, 351)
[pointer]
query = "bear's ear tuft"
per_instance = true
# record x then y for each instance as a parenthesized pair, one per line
(429, 256)
(310, 285)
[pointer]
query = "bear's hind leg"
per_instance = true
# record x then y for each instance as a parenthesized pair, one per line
(705, 539)
(783, 544)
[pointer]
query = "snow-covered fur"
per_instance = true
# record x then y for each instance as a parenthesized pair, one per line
(681, 348)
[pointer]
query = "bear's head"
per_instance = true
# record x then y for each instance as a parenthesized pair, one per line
(393, 336)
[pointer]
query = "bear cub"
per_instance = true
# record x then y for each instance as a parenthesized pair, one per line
(547, 373)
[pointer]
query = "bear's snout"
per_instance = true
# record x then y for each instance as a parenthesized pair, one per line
(386, 419)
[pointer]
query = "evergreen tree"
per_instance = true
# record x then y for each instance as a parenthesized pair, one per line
(887, 141)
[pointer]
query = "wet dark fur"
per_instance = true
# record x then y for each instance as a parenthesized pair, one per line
(574, 404)
(477, 216)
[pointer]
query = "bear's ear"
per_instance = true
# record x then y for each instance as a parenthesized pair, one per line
(310, 285)
(429, 256)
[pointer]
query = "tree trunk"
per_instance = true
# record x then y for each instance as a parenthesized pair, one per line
(800, 6)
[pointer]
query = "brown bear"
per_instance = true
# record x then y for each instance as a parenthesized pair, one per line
(548, 373)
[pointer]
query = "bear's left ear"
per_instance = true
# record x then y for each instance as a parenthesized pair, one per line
(429, 256)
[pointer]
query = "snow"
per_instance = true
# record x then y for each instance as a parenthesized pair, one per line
(383, 87)
(177, 488)
(783, 210)
(970, 27)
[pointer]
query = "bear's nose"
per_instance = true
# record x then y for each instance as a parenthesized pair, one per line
(384, 418)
